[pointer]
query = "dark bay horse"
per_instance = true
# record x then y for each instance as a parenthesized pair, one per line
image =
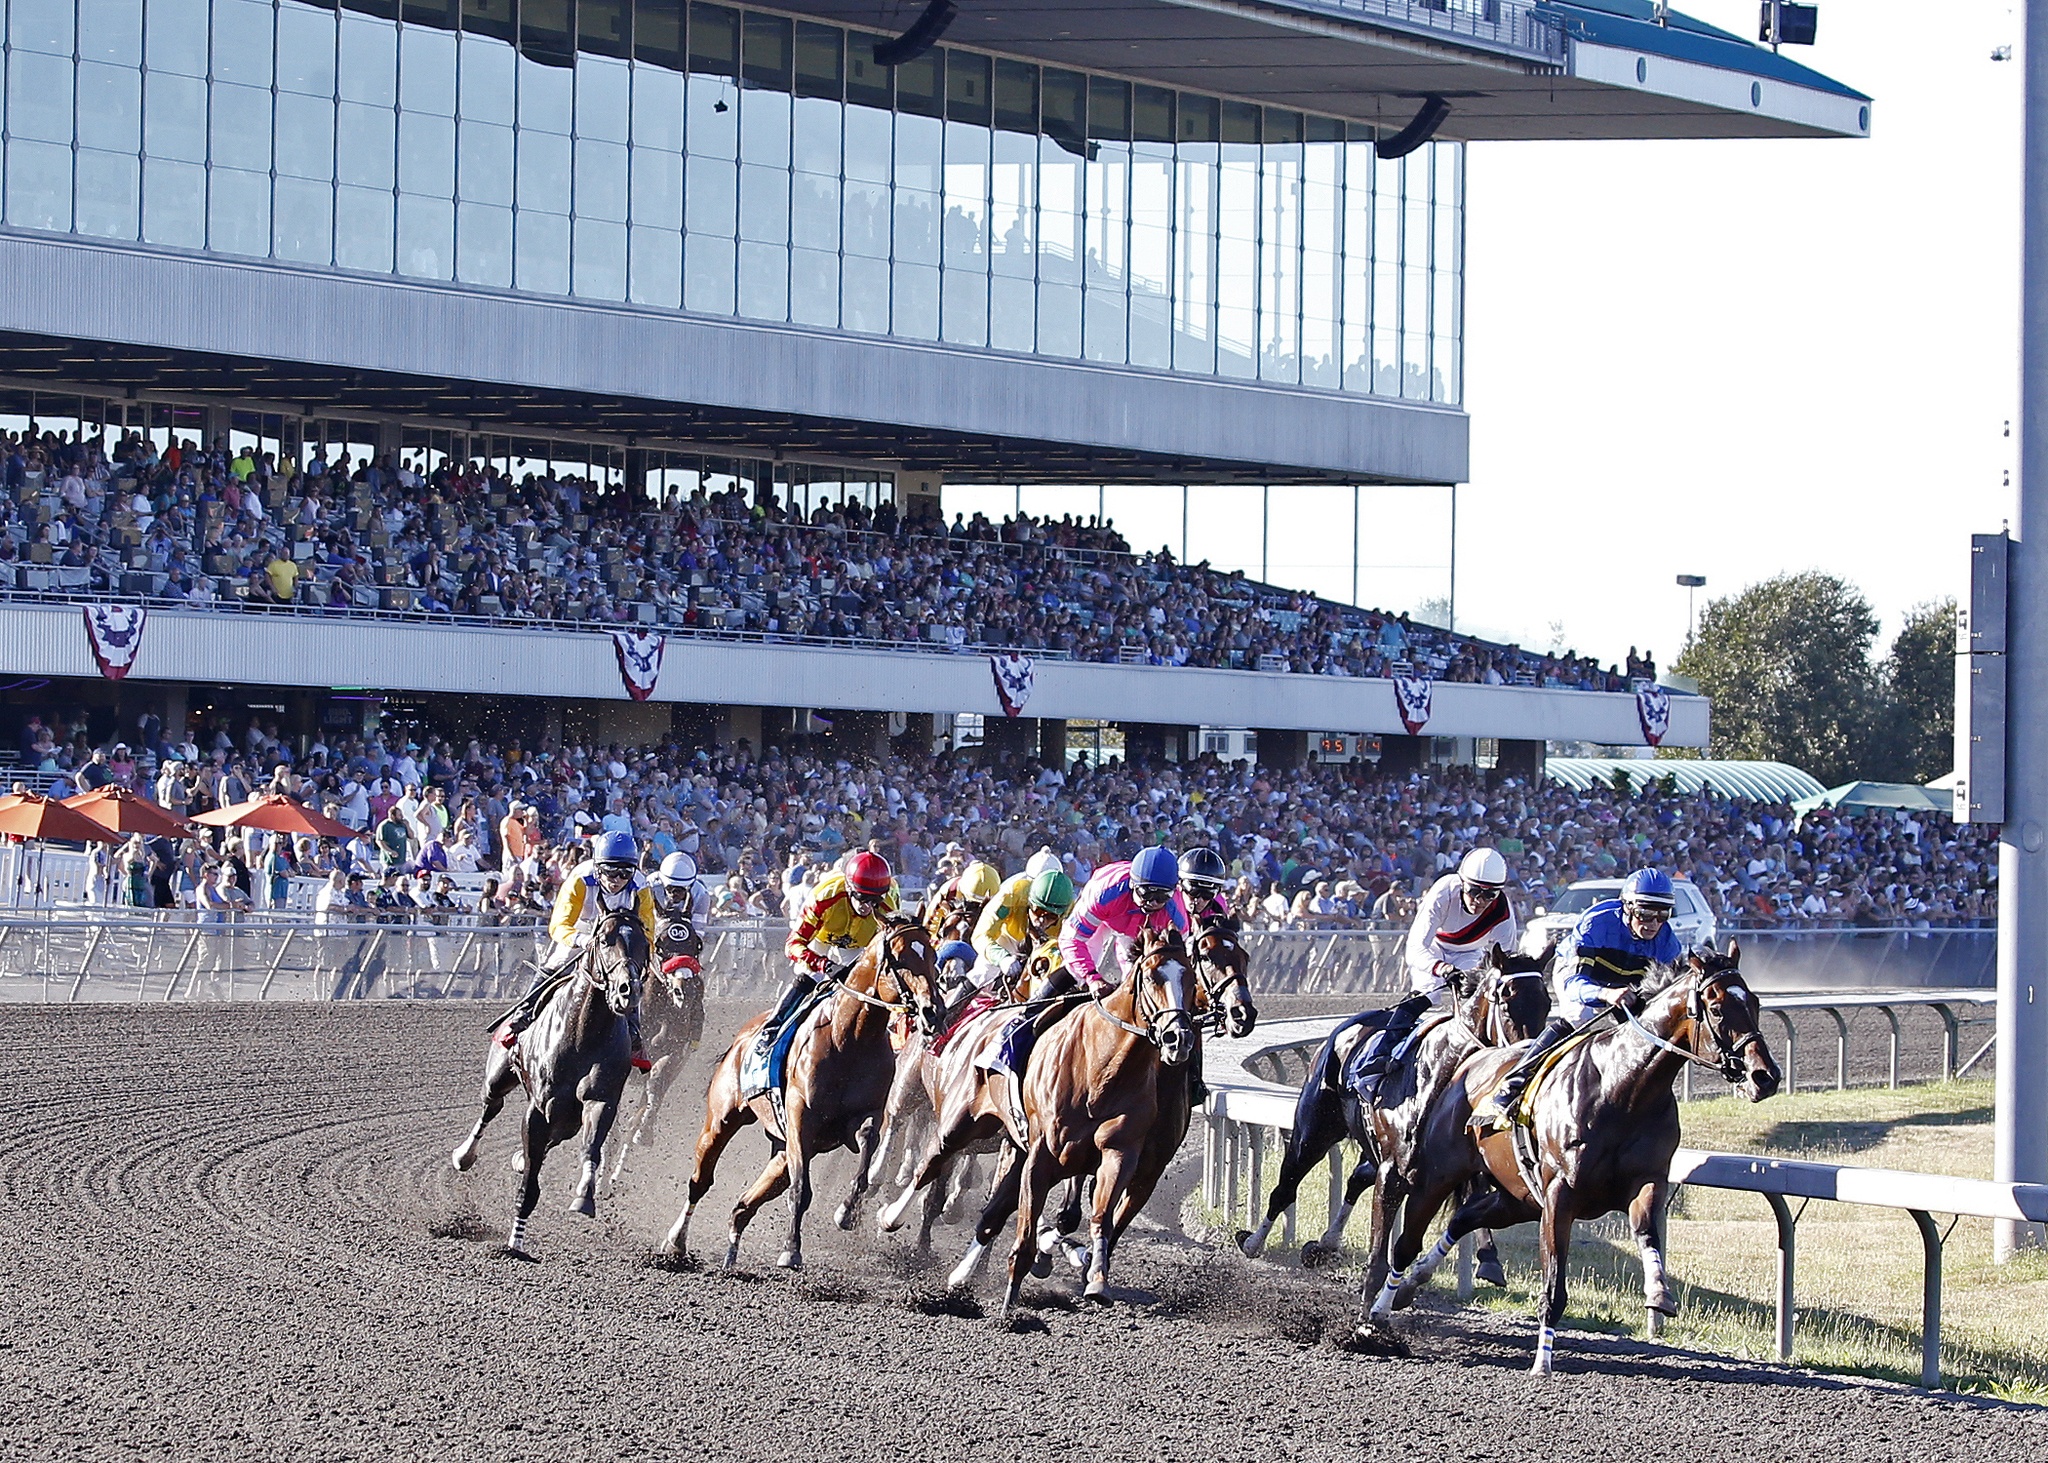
(1105, 1093)
(573, 1061)
(671, 1027)
(1605, 1128)
(1505, 1001)
(840, 1066)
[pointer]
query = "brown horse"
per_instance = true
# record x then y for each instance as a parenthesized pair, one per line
(1605, 1125)
(1105, 1092)
(1504, 1001)
(926, 1079)
(573, 1061)
(837, 1080)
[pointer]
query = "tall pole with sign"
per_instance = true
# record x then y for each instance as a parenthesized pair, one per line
(2021, 1151)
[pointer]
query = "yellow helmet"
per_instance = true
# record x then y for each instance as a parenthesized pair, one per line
(979, 881)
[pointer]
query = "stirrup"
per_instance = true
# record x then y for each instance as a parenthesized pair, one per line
(507, 1038)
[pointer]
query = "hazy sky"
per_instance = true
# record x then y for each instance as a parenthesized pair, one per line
(1719, 358)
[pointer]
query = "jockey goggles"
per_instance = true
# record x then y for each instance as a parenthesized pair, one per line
(863, 903)
(1638, 912)
(1482, 893)
(1150, 897)
(614, 877)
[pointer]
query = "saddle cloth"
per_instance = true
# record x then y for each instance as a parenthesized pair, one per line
(974, 1006)
(1380, 1053)
(766, 1072)
(1525, 1110)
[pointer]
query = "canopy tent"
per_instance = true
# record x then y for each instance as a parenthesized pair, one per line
(1863, 797)
(278, 815)
(1771, 782)
(120, 811)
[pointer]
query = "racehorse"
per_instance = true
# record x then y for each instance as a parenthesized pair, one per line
(671, 1028)
(1105, 1092)
(1217, 945)
(1604, 1128)
(921, 1079)
(1505, 1000)
(837, 1079)
(573, 1061)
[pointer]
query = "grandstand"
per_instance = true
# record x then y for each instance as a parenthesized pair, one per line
(495, 314)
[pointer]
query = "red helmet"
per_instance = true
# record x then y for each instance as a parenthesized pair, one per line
(868, 873)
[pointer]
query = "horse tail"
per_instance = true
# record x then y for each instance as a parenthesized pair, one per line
(1314, 1091)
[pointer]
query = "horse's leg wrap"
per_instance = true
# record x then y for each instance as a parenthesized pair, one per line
(1420, 1272)
(1383, 1303)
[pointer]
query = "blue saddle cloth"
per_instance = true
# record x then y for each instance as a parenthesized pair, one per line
(766, 1071)
(1389, 1042)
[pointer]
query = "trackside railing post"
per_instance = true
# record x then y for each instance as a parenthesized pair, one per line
(1892, 1018)
(1787, 1235)
(1948, 1041)
(1468, 1249)
(1930, 1300)
(1841, 1049)
(1791, 1050)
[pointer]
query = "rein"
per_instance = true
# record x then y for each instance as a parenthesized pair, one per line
(1728, 1056)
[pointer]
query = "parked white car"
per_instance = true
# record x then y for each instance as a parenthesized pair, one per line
(1692, 920)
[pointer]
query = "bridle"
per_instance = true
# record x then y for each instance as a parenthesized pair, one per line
(886, 963)
(1728, 1052)
(605, 955)
(1155, 1017)
(1207, 936)
(1493, 991)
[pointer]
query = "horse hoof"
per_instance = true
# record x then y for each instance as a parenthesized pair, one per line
(1662, 1304)
(1491, 1272)
(1315, 1254)
(790, 1260)
(586, 1205)
(523, 1256)
(1097, 1291)
(462, 1158)
(1242, 1238)
(1079, 1255)
(732, 1255)
(843, 1216)
(1541, 1367)
(1041, 1264)
(519, 1163)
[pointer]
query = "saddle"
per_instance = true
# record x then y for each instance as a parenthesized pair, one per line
(765, 1073)
(1524, 1113)
(1384, 1051)
(973, 1006)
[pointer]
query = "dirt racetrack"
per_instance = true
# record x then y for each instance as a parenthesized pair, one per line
(232, 1232)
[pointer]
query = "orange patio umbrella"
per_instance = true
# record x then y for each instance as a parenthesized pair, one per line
(120, 811)
(275, 814)
(31, 815)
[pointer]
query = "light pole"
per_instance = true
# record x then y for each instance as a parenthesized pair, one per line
(1690, 583)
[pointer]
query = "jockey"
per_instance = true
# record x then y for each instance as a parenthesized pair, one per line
(1118, 904)
(968, 891)
(1042, 861)
(1607, 952)
(1464, 914)
(607, 882)
(841, 917)
(681, 903)
(1025, 913)
(1203, 878)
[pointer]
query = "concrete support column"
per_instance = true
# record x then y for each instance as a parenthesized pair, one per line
(1402, 754)
(1523, 759)
(1009, 736)
(1052, 742)
(918, 492)
(1281, 747)
(858, 734)
(918, 733)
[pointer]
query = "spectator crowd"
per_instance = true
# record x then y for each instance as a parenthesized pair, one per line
(1321, 846)
(190, 524)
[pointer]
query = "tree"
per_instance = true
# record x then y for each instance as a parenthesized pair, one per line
(1787, 666)
(1920, 685)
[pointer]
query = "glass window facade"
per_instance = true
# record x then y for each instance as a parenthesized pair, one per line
(728, 161)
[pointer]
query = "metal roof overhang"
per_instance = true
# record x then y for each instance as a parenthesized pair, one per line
(1602, 69)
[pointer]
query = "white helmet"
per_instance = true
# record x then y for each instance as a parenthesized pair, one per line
(1484, 868)
(1044, 859)
(677, 870)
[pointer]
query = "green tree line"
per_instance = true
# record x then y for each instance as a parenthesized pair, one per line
(1790, 667)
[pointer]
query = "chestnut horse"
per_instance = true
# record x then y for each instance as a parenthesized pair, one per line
(1106, 1093)
(574, 1060)
(836, 1082)
(1504, 1001)
(1605, 1126)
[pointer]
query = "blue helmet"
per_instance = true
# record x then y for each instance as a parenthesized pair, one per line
(954, 950)
(1155, 868)
(1648, 886)
(616, 848)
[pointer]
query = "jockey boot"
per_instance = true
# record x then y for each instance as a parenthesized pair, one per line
(1497, 1113)
(800, 986)
(528, 1009)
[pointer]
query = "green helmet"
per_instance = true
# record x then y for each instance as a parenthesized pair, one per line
(1052, 891)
